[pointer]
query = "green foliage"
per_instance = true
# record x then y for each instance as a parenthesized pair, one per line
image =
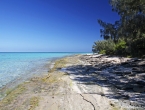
(128, 8)
(102, 52)
(130, 27)
(109, 30)
(121, 44)
(98, 46)
(104, 47)
(110, 47)
(120, 48)
(138, 47)
(132, 17)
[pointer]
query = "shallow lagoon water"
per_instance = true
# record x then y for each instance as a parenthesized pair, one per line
(16, 66)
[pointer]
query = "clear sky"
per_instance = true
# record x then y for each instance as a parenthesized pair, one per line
(52, 25)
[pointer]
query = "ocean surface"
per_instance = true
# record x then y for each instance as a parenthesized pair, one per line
(20, 66)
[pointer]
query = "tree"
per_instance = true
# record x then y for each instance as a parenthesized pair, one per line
(132, 16)
(130, 27)
(109, 31)
(128, 8)
(135, 27)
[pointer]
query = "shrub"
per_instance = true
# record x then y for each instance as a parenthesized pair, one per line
(120, 48)
(102, 52)
(98, 46)
(138, 47)
(109, 47)
(104, 47)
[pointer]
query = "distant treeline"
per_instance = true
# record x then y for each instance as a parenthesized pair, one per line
(126, 37)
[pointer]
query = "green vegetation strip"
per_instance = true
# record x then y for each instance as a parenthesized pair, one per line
(34, 101)
(12, 94)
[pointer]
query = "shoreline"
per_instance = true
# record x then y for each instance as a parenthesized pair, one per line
(88, 78)
(19, 80)
(17, 65)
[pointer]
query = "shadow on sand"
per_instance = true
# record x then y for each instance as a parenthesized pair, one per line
(125, 81)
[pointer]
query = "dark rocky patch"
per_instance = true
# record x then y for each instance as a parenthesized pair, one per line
(130, 84)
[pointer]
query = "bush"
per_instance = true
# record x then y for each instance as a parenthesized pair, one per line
(138, 47)
(98, 46)
(102, 52)
(109, 47)
(120, 48)
(104, 47)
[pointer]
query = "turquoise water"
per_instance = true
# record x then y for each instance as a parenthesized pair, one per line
(16, 66)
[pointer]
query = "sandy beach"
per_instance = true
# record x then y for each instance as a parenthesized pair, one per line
(81, 82)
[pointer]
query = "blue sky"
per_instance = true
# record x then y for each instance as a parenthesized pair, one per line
(52, 25)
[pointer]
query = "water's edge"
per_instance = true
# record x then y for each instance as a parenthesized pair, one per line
(25, 78)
